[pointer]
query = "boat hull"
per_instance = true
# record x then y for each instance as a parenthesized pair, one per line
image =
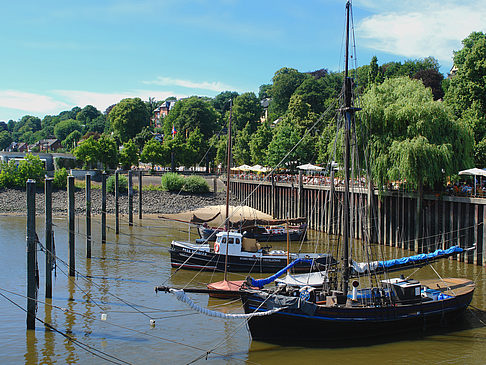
(210, 261)
(339, 325)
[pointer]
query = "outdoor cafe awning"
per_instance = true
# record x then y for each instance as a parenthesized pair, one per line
(241, 168)
(310, 167)
(474, 171)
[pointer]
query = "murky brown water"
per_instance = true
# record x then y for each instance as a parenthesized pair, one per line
(123, 274)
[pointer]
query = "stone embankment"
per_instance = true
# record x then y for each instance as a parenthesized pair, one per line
(153, 201)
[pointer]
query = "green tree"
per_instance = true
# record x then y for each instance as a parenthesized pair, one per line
(195, 148)
(221, 101)
(108, 151)
(285, 82)
(87, 114)
(312, 92)
(25, 127)
(87, 152)
(189, 114)
(259, 143)
(5, 139)
(468, 86)
(411, 136)
(145, 135)
(72, 139)
(468, 44)
(129, 155)
(286, 149)
(66, 127)
(128, 118)
(241, 148)
(154, 153)
(247, 111)
(265, 91)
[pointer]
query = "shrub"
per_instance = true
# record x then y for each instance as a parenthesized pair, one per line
(60, 178)
(8, 175)
(196, 184)
(31, 167)
(122, 184)
(172, 181)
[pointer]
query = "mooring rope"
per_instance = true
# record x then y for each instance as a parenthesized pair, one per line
(182, 297)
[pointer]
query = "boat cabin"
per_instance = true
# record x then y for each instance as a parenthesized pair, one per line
(236, 243)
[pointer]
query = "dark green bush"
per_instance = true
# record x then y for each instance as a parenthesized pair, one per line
(172, 181)
(60, 178)
(68, 163)
(122, 184)
(195, 184)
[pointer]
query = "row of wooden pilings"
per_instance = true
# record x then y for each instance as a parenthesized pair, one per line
(391, 218)
(32, 240)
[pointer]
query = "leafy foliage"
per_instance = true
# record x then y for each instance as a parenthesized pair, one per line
(60, 178)
(247, 111)
(128, 118)
(154, 153)
(13, 175)
(129, 155)
(88, 152)
(122, 184)
(285, 82)
(196, 185)
(172, 181)
(410, 136)
(107, 151)
(65, 127)
(189, 114)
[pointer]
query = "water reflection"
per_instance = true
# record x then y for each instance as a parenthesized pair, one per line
(30, 356)
(71, 356)
(130, 266)
(48, 349)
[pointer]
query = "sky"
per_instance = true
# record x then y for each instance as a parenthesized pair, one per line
(55, 54)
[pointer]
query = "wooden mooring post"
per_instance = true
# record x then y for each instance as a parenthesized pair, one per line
(88, 216)
(31, 256)
(49, 234)
(140, 174)
(103, 207)
(71, 222)
(130, 199)
(117, 205)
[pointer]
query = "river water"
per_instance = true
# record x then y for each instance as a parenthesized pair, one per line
(118, 281)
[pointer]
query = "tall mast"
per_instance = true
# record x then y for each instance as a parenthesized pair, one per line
(348, 113)
(228, 172)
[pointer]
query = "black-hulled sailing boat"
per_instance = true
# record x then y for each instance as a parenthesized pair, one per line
(331, 311)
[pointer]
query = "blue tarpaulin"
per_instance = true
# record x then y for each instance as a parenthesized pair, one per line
(260, 283)
(420, 257)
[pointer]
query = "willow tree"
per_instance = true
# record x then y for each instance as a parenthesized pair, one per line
(410, 137)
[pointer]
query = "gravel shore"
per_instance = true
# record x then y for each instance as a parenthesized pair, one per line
(14, 201)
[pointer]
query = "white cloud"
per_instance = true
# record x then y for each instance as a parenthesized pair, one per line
(29, 102)
(419, 29)
(15, 103)
(204, 85)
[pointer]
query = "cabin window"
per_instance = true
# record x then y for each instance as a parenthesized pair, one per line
(230, 241)
(237, 241)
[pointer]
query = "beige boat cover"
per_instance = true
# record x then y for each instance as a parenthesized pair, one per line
(215, 215)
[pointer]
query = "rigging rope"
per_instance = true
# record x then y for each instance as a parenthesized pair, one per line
(182, 297)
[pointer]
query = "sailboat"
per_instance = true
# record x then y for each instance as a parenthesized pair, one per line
(236, 253)
(330, 306)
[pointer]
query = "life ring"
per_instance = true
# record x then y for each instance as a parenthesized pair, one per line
(216, 247)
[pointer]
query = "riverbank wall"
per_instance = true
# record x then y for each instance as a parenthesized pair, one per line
(392, 218)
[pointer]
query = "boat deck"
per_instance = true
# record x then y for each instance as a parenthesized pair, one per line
(450, 286)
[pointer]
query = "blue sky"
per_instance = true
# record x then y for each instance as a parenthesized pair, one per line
(55, 55)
